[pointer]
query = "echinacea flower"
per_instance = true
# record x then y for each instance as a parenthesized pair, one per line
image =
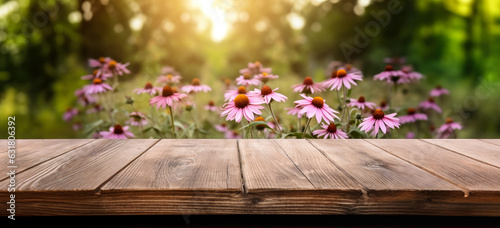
(231, 94)
(430, 104)
(260, 127)
(342, 79)
(99, 63)
(149, 89)
(330, 131)
(269, 95)
(438, 91)
(83, 98)
(350, 69)
(308, 87)
(169, 79)
(69, 114)
(211, 107)
(243, 106)
(295, 111)
(246, 79)
(116, 67)
(410, 135)
(137, 119)
(316, 107)
(411, 74)
(168, 70)
(265, 77)
(395, 60)
(117, 132)
(412, 116)
(379, 120)
(232, 135)
(97, 73)
(97, 86)
(166, 98)
(361, 104)
(392, 76)
(383, 106)
(255, 68)
(448, 129)
(77, 126)
(195, 87)
(221, 127)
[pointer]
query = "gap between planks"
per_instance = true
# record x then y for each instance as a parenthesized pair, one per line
(97, 191)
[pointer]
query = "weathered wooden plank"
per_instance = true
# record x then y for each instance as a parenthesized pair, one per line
(183, 165)
(492, 141)
(266, 167)
(30, 152)
(84, 168)
(477, 149)
(377, 170)
(458, 169)
(318, 169)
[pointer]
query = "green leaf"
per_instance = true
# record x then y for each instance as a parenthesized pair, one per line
(252, 124)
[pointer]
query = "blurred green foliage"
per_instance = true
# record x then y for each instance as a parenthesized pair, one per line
(45, 46)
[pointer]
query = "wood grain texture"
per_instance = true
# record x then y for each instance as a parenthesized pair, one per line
(458, 169)
(476, 149)
(183, 165)
(266, 166)
(30, 152)
(84, 168)
(377, 170)
(318, 169)
(492, 141)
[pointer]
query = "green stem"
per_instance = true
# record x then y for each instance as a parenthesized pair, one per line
(305, 129)
(172, 121)
(140, 121)
(275, 120)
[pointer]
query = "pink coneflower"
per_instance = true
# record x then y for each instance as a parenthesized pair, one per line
(211, 107)
(392, 76)
(448, 129)
(149, 89)
(169, 79)
(83, 98)
(243, 106)
(350, 69)
(168, 70)
(330, 131)
(69, 114)
(231, 94)
(95, 109)
(265, 77)
(438, 91)
(116, 67)
(295, 111)
(342, 79)
(246, 79)
(97, 73)
(383, 106)
(232, 135)
(379, 120)
(412, 116)
(117, 132)
(269, 95)
(361, 104)
(410, 74)
(166, 98)
(97, 86)
(410, 135)
(99, 63)
(316, 107)
(221, 127)
(255, 68)
(430, 104)
(137, 119)
(77, 126)
(195, 87)
(308, 87)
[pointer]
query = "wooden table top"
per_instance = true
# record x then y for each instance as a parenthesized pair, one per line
(457, 177)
